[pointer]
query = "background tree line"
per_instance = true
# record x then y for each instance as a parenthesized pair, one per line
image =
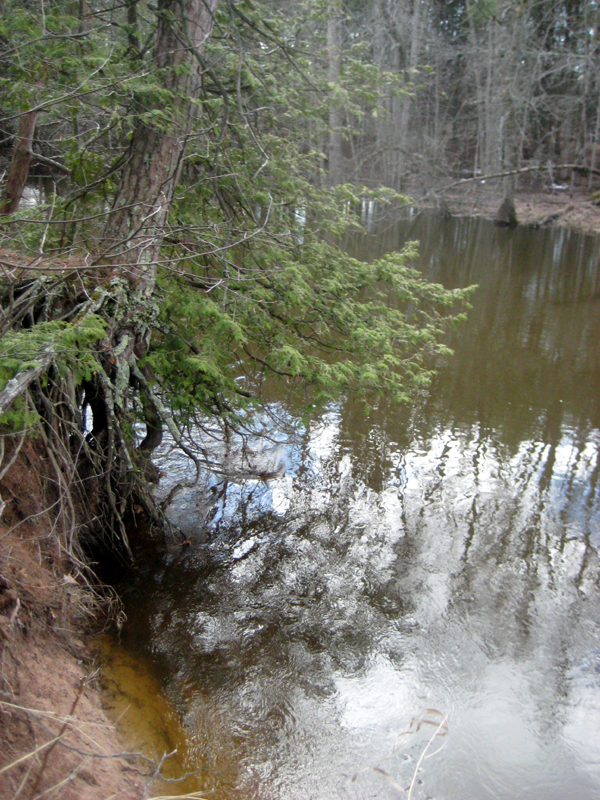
(396, 93)
(476, 87)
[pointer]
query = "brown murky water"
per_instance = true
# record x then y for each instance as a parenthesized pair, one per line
(426, 575)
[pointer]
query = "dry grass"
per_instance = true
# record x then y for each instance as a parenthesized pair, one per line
(429, 716)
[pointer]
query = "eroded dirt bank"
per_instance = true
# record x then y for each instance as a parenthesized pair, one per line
(56, 740)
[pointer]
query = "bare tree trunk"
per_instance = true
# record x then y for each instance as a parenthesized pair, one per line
(379, 57)
(493, 111)
(419, 9)
(136, 223)
(594, 150)
(334, 49)
(19, 165)
(86, 19)
(479, 162)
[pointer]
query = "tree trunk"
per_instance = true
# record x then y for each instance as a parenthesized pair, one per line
(132, 32)
(334, 49)
(19, 165)
(136, 223)
(419, 10)
(478, 68)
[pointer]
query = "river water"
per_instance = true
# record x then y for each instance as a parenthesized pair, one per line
(413, 607)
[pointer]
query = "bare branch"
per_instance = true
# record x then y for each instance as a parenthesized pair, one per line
(16, 386)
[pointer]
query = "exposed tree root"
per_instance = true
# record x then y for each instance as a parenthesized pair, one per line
(98, 470)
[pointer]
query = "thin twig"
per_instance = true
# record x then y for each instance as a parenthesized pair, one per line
(71, 776)
(156, 773)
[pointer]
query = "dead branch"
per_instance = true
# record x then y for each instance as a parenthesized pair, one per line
(29, 755)
(508, 173)
(49, 162)
(551, 217)
(18, 385)
(156, 773)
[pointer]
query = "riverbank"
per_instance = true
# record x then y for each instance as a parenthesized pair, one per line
(49, 682)
(56, 739)
(563, 207)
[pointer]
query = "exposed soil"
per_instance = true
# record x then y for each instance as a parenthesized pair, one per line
(55, 738)
(567, 208)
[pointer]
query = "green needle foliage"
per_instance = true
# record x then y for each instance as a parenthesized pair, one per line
(320, 321)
